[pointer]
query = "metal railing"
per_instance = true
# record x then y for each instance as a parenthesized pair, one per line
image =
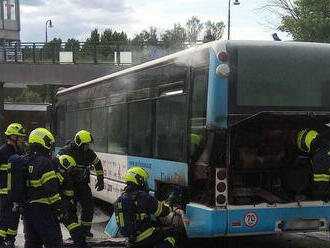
(116, 53)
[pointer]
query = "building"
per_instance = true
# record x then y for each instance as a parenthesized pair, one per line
(10, 26)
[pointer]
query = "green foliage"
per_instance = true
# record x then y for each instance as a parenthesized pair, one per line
(72, 45)
(146, 37)
(215, 29)
(193, 28)
(51, 48)
(175, 38)
(28, 96)
(307, 20)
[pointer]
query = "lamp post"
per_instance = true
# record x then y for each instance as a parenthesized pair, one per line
(50, 25)
(235, 3)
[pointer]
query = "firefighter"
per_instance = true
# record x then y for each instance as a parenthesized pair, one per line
(8, 218)
(142, 233)
(84, 156)
(44, 204)
(64, 165)
(318, 150)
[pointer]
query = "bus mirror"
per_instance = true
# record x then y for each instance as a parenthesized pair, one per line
(223, 71)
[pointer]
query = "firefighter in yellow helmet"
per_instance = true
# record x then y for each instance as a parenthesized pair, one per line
(318, 149)
(9, 219)
(136, 225)
(64, 165)
(44, 203)
(80, 150)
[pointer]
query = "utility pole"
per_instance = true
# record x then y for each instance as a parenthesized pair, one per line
(2, 114)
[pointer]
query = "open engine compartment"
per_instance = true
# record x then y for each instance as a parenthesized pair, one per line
(265, 164)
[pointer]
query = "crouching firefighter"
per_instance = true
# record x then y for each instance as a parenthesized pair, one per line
(64, 165)
(133, 209)
(44, 204)
(8, 218)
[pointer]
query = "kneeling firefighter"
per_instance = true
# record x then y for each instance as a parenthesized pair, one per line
(64, 165)
(44, 204)
(133, 209)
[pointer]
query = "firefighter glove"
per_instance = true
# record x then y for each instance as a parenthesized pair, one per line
(100, 183)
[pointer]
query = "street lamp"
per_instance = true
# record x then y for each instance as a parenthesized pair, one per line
(235, 3)
(50, 25)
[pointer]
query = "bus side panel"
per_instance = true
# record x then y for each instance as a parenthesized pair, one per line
(162, 170)
(217, 99)
(205, 222)
(266, 220)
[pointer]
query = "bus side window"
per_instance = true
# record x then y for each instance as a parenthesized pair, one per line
(140, 128)
(170, 123)
(198, 113)
(117, 129)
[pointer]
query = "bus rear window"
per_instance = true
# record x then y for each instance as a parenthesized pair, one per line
(283, 74)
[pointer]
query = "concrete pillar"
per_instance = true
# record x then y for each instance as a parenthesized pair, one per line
(2, 114)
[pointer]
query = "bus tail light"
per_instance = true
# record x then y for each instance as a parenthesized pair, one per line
(223, 56)
(223, 71)
(221, 188)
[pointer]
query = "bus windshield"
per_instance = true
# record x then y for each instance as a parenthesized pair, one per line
(282, 75)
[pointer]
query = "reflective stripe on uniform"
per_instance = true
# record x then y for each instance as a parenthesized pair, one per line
(60, 177)
(11, 232)
(47, 176)
(47, 201)
(96, 160)
(86, 223)
(99, 172)
(159, 209)
(68, 193)
(44, 178)
(147, 233)
(3, 191)
(72, 226)
(171, 240)
(3, 233)
(321, 178)
(4, 167)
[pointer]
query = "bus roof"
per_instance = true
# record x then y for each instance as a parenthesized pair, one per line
(139, 67)
(181, 53)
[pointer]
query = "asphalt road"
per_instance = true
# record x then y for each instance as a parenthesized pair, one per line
(297, 240)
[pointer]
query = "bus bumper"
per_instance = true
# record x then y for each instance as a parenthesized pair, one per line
(246, 220)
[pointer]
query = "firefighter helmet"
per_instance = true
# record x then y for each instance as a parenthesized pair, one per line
(67, 161)
(137, 175)
(83, 137)
(305, 138)
(42, 137)
(15, 129)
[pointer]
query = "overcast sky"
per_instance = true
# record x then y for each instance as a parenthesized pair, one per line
(76, 18)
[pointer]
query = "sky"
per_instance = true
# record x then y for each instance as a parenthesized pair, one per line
(76, 18)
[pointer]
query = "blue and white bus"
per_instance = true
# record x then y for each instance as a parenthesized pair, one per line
(219, 121)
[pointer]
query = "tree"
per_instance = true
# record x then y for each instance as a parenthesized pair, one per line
(51, 49)
(193, 27)
(175, 38)
(307, 20)
(215, 29)
(146, 37)
(90, 44)
(72, 45)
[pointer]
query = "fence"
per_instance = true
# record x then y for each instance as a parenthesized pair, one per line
(74, 53)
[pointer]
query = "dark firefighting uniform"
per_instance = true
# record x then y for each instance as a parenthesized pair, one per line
(9, 219)
(67, 195)
(81, 176)
(147, 235)
(41, 225)
(321, 174)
